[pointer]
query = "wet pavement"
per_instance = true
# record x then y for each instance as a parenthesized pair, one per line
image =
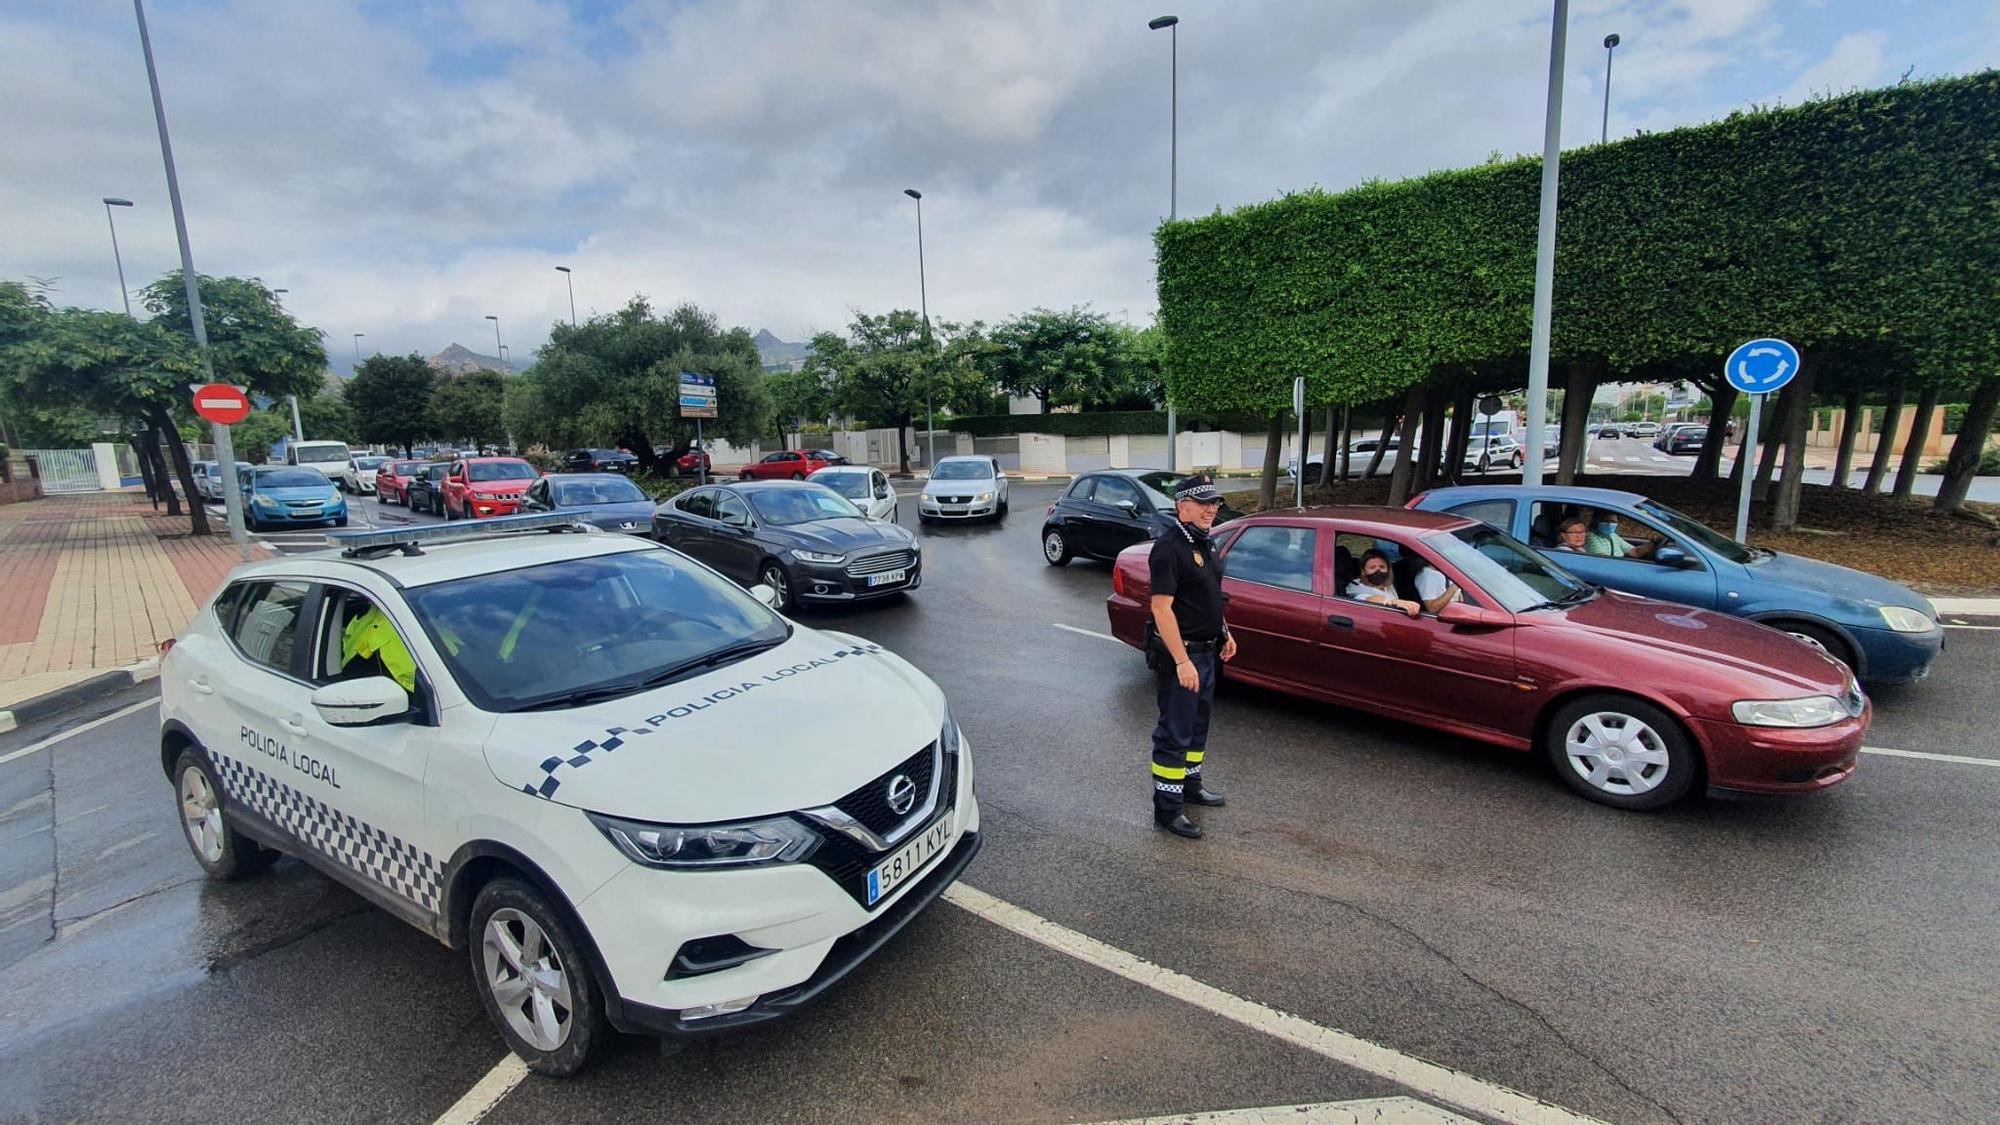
(1823, 958)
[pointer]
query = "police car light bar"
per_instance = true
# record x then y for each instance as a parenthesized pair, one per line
(366, 543)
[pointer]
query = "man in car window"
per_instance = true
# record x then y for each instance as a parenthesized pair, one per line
(1376, 584)
(1604, 540)
(1434, 590)
(1188, 640)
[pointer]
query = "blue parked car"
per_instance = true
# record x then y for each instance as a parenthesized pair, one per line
(606, 500)
(287, 496)
(1883, 630)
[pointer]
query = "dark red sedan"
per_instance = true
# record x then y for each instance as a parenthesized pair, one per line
(1635, 701)
(392, 481)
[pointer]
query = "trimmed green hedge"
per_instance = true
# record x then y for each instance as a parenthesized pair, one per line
(1858, 227)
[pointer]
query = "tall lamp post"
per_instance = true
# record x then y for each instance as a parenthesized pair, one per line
(571, 280)
(496, 330)
(1545, 251)
(357, 347)
(503, 358)
(924, 303)
(123, 293)
(232, 499)
(1172, 25)
(1604, 128)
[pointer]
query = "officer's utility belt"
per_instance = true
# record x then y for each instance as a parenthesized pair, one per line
(1157, 656)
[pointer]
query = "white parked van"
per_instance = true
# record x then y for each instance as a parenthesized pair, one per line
(332, 458)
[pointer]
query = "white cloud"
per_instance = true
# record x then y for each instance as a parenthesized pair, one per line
(1857, 61)
(406, 170)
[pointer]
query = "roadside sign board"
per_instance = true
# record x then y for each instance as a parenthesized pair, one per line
(697, 395)
(1757, 367)
(221, 403)
(1761, 366)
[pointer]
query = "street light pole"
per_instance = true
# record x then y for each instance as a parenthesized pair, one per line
(503, 358)
(357, 347)
(1604, 128)
(924, 302)
(567, 277)
(496, 331)
(1545, 252)
(1172, 24)
(232, 499)
(123, 293)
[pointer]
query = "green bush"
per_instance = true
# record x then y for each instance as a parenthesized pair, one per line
(1989, 464)
(1114, 422)
(659, 487)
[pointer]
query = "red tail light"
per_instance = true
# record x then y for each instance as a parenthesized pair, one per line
(167, 646)
(1118, 580)
(1417, 499)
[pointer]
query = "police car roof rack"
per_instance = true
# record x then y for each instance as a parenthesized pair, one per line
(373, 543)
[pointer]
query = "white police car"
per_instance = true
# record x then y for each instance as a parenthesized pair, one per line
(629, 791)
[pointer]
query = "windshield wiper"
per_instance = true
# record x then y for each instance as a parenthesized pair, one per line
(1575, 597)
(584, 696)
(578, 698)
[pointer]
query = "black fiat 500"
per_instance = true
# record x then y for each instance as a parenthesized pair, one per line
(1102, 513)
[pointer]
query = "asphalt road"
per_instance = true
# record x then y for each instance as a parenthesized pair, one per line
(1824, 959)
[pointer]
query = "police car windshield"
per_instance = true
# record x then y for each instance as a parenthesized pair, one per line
(962, 470)
(569, 633)
(607, 490)
(500, 470)
(783, 506)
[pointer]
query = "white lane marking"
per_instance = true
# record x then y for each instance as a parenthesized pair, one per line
(44, 744)
(1362, 1111)
(1438, 1083)
(486, 1093)
(1961, 759)
(1086, 632)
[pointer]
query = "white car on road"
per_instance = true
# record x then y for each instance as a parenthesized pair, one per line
(867, 488)
(964, 488)
(626, 791)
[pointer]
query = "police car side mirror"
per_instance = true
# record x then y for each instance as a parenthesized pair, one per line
(765, 594)
(353, 703)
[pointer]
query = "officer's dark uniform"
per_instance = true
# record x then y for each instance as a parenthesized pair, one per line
(1185, 568)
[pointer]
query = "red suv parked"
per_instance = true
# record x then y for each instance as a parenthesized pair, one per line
(486, 486)
(788, 464)
(392, 481)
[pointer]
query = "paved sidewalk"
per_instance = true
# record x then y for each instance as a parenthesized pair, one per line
(94, 582)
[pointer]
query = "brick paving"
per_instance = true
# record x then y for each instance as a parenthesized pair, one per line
(94, 582)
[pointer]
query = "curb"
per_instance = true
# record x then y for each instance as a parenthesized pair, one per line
(1969, 607)
(83, 691)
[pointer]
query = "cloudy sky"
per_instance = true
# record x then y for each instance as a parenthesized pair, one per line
(407, 167)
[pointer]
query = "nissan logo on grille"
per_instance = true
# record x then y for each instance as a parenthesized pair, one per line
(902, 794)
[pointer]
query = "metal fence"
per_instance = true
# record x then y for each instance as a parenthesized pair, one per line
(66, 470)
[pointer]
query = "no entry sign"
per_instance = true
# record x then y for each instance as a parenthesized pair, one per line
(221, 403)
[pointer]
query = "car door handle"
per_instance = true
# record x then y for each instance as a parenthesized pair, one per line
(293, 724)
(1339, 622)
(200, 684)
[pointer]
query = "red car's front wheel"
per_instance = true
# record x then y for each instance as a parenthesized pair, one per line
(1620, 751)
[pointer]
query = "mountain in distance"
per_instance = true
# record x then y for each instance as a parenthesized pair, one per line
(459, 359)
(779, 355)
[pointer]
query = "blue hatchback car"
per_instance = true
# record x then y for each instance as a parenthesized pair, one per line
(285, 496)
(1885, 631)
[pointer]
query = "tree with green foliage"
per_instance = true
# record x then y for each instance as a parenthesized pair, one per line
(468, 407)
(254, 437)
(888, 369)
(252, 341)
(1067, 357)
(390, 396)
(1857, 227)
(326, 416)
(615, 380)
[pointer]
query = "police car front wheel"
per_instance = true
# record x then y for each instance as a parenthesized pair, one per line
(533, 980)
(223, 852)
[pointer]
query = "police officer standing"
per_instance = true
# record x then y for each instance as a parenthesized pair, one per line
(1186, 648)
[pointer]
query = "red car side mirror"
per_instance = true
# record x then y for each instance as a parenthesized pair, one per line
(1460, 613)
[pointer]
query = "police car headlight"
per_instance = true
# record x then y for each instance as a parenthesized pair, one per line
(818, 556)
(1904, 619)
(1809, 711)
(682, 847)
(948, 736)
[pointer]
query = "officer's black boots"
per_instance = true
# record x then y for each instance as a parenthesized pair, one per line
(1197, 795)
(1179, 825)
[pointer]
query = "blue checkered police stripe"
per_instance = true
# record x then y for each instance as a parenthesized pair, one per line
(385, 859)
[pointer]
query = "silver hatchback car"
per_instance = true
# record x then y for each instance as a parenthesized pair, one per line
(964, 488)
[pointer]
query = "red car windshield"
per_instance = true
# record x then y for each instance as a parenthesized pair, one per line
(1513, 574)
(500, 470)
